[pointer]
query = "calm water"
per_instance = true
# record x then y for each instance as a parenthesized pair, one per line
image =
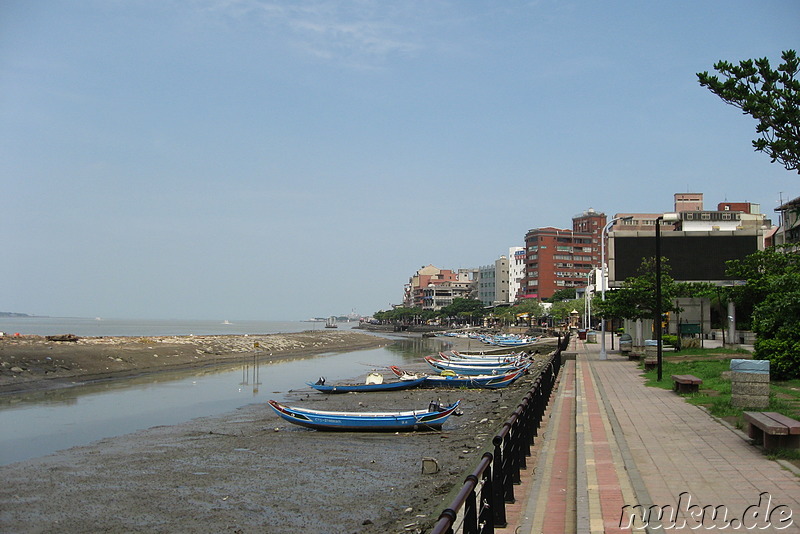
(80, 326)
(40, 423)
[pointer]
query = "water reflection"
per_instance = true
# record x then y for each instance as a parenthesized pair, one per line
(42, 422)
(247, 368)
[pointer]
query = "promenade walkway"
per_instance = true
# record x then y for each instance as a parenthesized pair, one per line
(616, 456)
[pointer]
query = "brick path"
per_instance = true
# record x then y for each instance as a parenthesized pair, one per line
(610, 441)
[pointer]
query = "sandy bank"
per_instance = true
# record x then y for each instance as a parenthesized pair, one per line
(33, 362)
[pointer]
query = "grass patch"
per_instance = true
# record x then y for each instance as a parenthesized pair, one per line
(697, 351)
(715, 392)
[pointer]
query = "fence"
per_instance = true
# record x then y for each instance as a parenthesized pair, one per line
(481, 503)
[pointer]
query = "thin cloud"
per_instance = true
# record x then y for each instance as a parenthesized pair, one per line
(358, 34)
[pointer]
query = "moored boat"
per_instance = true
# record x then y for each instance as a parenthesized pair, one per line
(467, 368)
(431, 418)
(451, 380)
(320, 385)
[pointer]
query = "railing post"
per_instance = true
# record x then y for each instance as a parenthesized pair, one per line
(498, 485)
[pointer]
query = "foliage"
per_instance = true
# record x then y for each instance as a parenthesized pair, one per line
(560, 310)
(462, 307)
(769, 96)
(567, 293)
(772, 291)
(669, 339)
(636, 299)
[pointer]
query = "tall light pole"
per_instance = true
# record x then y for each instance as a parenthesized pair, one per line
(587, 306)
(657, 311)
(603, 353)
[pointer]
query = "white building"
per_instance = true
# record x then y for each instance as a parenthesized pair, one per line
(516, 271)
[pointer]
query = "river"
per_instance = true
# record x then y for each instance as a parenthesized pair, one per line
(43, 422)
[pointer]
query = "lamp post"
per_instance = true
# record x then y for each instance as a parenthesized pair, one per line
(657, 311)
(603, 353)
(587, 307)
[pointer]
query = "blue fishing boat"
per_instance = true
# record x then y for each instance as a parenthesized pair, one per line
(429, 419)
(320, 385)
(448, 379)
(469, 369)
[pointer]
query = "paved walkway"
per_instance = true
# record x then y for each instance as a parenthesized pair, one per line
(615, 455)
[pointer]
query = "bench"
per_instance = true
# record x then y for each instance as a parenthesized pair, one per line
(634, 356)
(773, 430)
(686, 383)
(650, 363)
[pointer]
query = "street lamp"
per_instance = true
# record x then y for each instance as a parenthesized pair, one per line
(603, 354)
(657, 312)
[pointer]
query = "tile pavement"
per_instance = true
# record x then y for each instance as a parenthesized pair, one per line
(613, 453)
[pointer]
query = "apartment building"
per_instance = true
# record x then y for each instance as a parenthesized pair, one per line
(560, 258)
(493, 282)
(431, 288)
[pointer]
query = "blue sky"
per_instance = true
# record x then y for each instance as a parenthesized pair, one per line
(249, 159)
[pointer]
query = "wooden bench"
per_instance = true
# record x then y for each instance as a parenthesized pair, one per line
(686, 383)
(650, 363)
(773, 430)
(634, 356)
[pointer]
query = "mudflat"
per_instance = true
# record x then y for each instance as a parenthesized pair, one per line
(250, 471)
(35, 362)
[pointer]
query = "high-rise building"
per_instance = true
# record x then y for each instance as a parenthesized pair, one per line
(560, 258)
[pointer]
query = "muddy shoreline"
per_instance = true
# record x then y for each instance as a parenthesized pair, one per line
(30, 363)
(249, 471)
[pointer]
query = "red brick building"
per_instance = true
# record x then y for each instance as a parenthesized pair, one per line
(561, 258)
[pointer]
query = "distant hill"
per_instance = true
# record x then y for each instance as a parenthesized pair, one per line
(12, 314)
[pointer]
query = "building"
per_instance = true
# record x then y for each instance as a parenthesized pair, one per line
(516, 272)
(560, 258)
(789, 226)
(493, 282)
(693, 217)
(431, 288)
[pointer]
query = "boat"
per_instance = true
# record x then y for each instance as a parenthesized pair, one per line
(490, 361)
(467, 368)
(448, 379)
(431, 418)
(331, 322)
(456, 356)
(371, 384)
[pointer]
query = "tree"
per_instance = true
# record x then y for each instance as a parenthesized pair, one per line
(468, 309)
(772, 291)
(568, 293)
(770, 96)
(636, 299)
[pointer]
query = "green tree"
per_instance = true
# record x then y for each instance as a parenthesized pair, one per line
(772, 290)
(568, 293)
(470, 310)
(772, 97)
(560, 311)
(636, 299)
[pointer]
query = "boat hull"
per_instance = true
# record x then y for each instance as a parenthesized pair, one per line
(471, 370)
(414, 420)
(468, 382)
(355, 388)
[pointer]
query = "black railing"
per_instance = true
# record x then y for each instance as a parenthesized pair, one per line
(498, 472)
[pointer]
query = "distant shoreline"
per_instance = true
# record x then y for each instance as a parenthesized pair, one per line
(32, 362)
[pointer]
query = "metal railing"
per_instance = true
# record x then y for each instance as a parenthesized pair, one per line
(481, 502)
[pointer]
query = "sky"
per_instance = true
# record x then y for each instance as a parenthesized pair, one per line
(279, 160)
